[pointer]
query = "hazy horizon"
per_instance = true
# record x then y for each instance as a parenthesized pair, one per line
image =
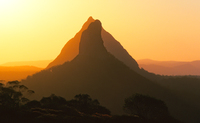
(44, 63)
(159, 30)
(38, 63)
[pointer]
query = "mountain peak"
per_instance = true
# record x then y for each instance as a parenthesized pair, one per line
(91, 40)
(71, 48)
(87, 23)
(90, 18)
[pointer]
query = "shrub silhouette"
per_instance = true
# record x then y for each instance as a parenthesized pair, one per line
(53, 102)
(85, 104)
(33, 104)
(146, 107)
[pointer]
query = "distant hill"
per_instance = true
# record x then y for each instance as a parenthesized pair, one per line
(97, 72)
(39, 64)
(17, 72)
(21, 69)
(170, 67)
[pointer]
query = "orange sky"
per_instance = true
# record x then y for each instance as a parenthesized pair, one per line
(155, 29)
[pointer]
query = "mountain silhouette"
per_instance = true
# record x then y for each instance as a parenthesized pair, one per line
(71, 49)
(97, 72)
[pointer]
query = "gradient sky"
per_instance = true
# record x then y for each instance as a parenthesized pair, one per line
(155, 29)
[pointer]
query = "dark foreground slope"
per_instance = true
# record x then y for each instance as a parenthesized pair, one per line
(96, 72)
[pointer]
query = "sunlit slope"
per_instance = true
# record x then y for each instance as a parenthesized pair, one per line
(96, 72)
(71, 48)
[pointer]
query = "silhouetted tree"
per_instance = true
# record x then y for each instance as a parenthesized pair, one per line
(53, 101)
(146, 107)
(85, 104)
(12, 95)
(33, 104)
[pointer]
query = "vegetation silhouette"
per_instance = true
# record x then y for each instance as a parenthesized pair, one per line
(54, 109)
(85, 104)
(53, 101)
(146, 107)
(11, 95)
(12, 98)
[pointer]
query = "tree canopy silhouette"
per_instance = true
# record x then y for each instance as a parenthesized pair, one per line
(53, 101)
(146, 107)
(12, 95)
(84, 103)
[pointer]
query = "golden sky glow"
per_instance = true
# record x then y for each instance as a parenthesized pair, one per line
(155, 29)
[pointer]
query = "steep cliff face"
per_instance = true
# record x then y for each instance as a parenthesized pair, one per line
(91, 41)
